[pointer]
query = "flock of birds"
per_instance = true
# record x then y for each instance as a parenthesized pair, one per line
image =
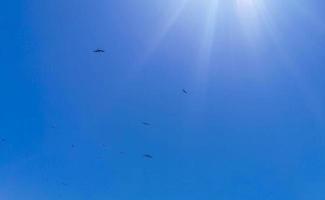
(144, 123)
(99, 51)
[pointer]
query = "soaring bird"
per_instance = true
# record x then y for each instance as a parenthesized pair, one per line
(184, 91)
(99, 51)
(146, 123)
(148, 156)
(64, 183)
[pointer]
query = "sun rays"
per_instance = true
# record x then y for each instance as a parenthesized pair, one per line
(252, 22)
(248, 13)
(247, 30)
(209, 33)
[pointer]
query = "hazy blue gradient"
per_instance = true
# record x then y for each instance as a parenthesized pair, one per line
(251, 128)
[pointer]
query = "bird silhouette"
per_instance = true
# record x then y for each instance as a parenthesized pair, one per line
(99, 51)
(64, 184)
(148, 156)
(146, 123)
(184, 91)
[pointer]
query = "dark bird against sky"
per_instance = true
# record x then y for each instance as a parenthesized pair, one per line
(148, 156)
(99, 51)
(146, 123)
(184, 91)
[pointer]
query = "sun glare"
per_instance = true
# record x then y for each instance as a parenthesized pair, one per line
(246, 4)
(213, 14)
(247, 10)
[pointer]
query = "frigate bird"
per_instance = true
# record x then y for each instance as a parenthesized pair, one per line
(184, 91)
(64, 183)
(99, 51)
(146, 123)
(148, 156)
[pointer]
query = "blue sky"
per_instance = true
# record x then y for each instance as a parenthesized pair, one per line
(251, 127)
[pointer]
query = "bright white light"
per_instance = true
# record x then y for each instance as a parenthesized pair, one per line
(247, 9)
(246, 4)
(250, 15)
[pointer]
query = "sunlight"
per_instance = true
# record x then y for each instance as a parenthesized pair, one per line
(213, 16)
(209, 33)
(246, 4)
(255, 20)
(247, 10)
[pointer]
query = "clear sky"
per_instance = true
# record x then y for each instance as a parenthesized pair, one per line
(251, 126)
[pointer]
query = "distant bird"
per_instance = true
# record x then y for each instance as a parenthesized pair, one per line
(3, 140)
(146, 123)
(148, 156)
(99, 51)
(64, 183)
(73, 146)
(184, 91)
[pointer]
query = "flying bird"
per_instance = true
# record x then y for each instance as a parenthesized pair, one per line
(148, 156)
(146, 123)
(64, 183)
(184, 91)
(99, 51)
